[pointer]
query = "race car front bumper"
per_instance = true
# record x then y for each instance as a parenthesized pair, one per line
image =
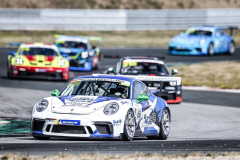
(83, 66)
(187, 49)
(76, 126)
(40, 72)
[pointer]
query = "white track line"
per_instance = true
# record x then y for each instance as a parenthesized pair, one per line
(210, 89)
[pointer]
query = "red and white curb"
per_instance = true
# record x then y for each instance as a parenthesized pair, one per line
(210, 89)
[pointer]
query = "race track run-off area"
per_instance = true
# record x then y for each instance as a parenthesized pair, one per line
(203, 122)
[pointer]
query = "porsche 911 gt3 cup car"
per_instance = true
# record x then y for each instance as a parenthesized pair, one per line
(102, 106)
(81, 56)
(203, 40)
(150, 66)
(37, 60)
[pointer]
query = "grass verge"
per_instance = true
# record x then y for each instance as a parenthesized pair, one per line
(186, 156)
(225, 75)
(110, 38)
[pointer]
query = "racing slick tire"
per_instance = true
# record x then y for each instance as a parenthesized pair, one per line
(41, 138)
(231, 48)
(129, 126)
(165, 124)
(211, 49)
(9, 72)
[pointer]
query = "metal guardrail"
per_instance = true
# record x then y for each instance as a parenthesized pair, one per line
(104, 20)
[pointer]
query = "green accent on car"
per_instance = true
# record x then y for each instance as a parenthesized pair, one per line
(142, 97)
(55, 93)
(174, 71)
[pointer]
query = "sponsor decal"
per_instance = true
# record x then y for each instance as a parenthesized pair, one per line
(40, 70)
(124, 102)
(68, 122)
(170, 88)
(150, 119)
(117, 121)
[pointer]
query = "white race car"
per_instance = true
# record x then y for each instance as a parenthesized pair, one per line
(102, 106)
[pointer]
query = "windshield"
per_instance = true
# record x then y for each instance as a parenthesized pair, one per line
(96, 87)
(71, 44)
(198, 32)
(38, 51)
(135, 68)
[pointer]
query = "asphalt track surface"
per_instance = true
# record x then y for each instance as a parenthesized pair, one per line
(204, 122)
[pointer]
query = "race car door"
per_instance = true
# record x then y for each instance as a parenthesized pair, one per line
(145, 118)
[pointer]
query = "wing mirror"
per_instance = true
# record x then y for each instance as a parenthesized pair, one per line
(174, 71)
(55, 93)
(142, 97)
(111, 71)
(11, 53)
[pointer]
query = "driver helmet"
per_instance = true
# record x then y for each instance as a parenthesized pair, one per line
(152, 68)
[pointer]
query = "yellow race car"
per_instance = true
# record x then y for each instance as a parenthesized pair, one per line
(37, 60)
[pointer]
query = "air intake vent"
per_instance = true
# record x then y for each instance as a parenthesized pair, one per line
(68, 129)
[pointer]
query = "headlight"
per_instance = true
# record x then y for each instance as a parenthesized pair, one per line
(111, 108)
(202, 41)
(19, 61)
(42, 105)
(173, 39)
(84, 55)
(61, 62)
(173, 83)
(91, 53)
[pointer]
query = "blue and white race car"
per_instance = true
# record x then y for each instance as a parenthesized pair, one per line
(203, 40)
(81, 56)
(102, 106)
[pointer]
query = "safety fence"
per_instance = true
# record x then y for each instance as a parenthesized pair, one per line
(107, 20)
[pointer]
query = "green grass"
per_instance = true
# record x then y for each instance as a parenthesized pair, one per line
(110, 38)
(225, 75)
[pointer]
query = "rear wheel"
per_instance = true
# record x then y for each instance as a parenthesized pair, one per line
(42, 138)
(231, 48)
(129, 126)
(210, 49)
(165, 125)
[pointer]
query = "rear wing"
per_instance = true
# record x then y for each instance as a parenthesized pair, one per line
(90, 38)
(231, 28)
(14, 44)
(118, 56)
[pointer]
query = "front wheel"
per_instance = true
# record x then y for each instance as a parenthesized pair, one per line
(210, 49)
(129, 126)
(9, 72)
(165, 124)
(231, 48)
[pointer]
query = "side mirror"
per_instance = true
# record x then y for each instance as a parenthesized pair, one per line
(182, 34)
(174, 71)
(111, 71)
(11, 53)
(142, 97)
(55, 93)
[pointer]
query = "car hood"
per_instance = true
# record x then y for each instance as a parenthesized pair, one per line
(189, 39)
(80, 104)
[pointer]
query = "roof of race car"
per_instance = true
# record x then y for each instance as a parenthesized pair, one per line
(107, 77)
(40, 45)
(210, 28)
(143, 59)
